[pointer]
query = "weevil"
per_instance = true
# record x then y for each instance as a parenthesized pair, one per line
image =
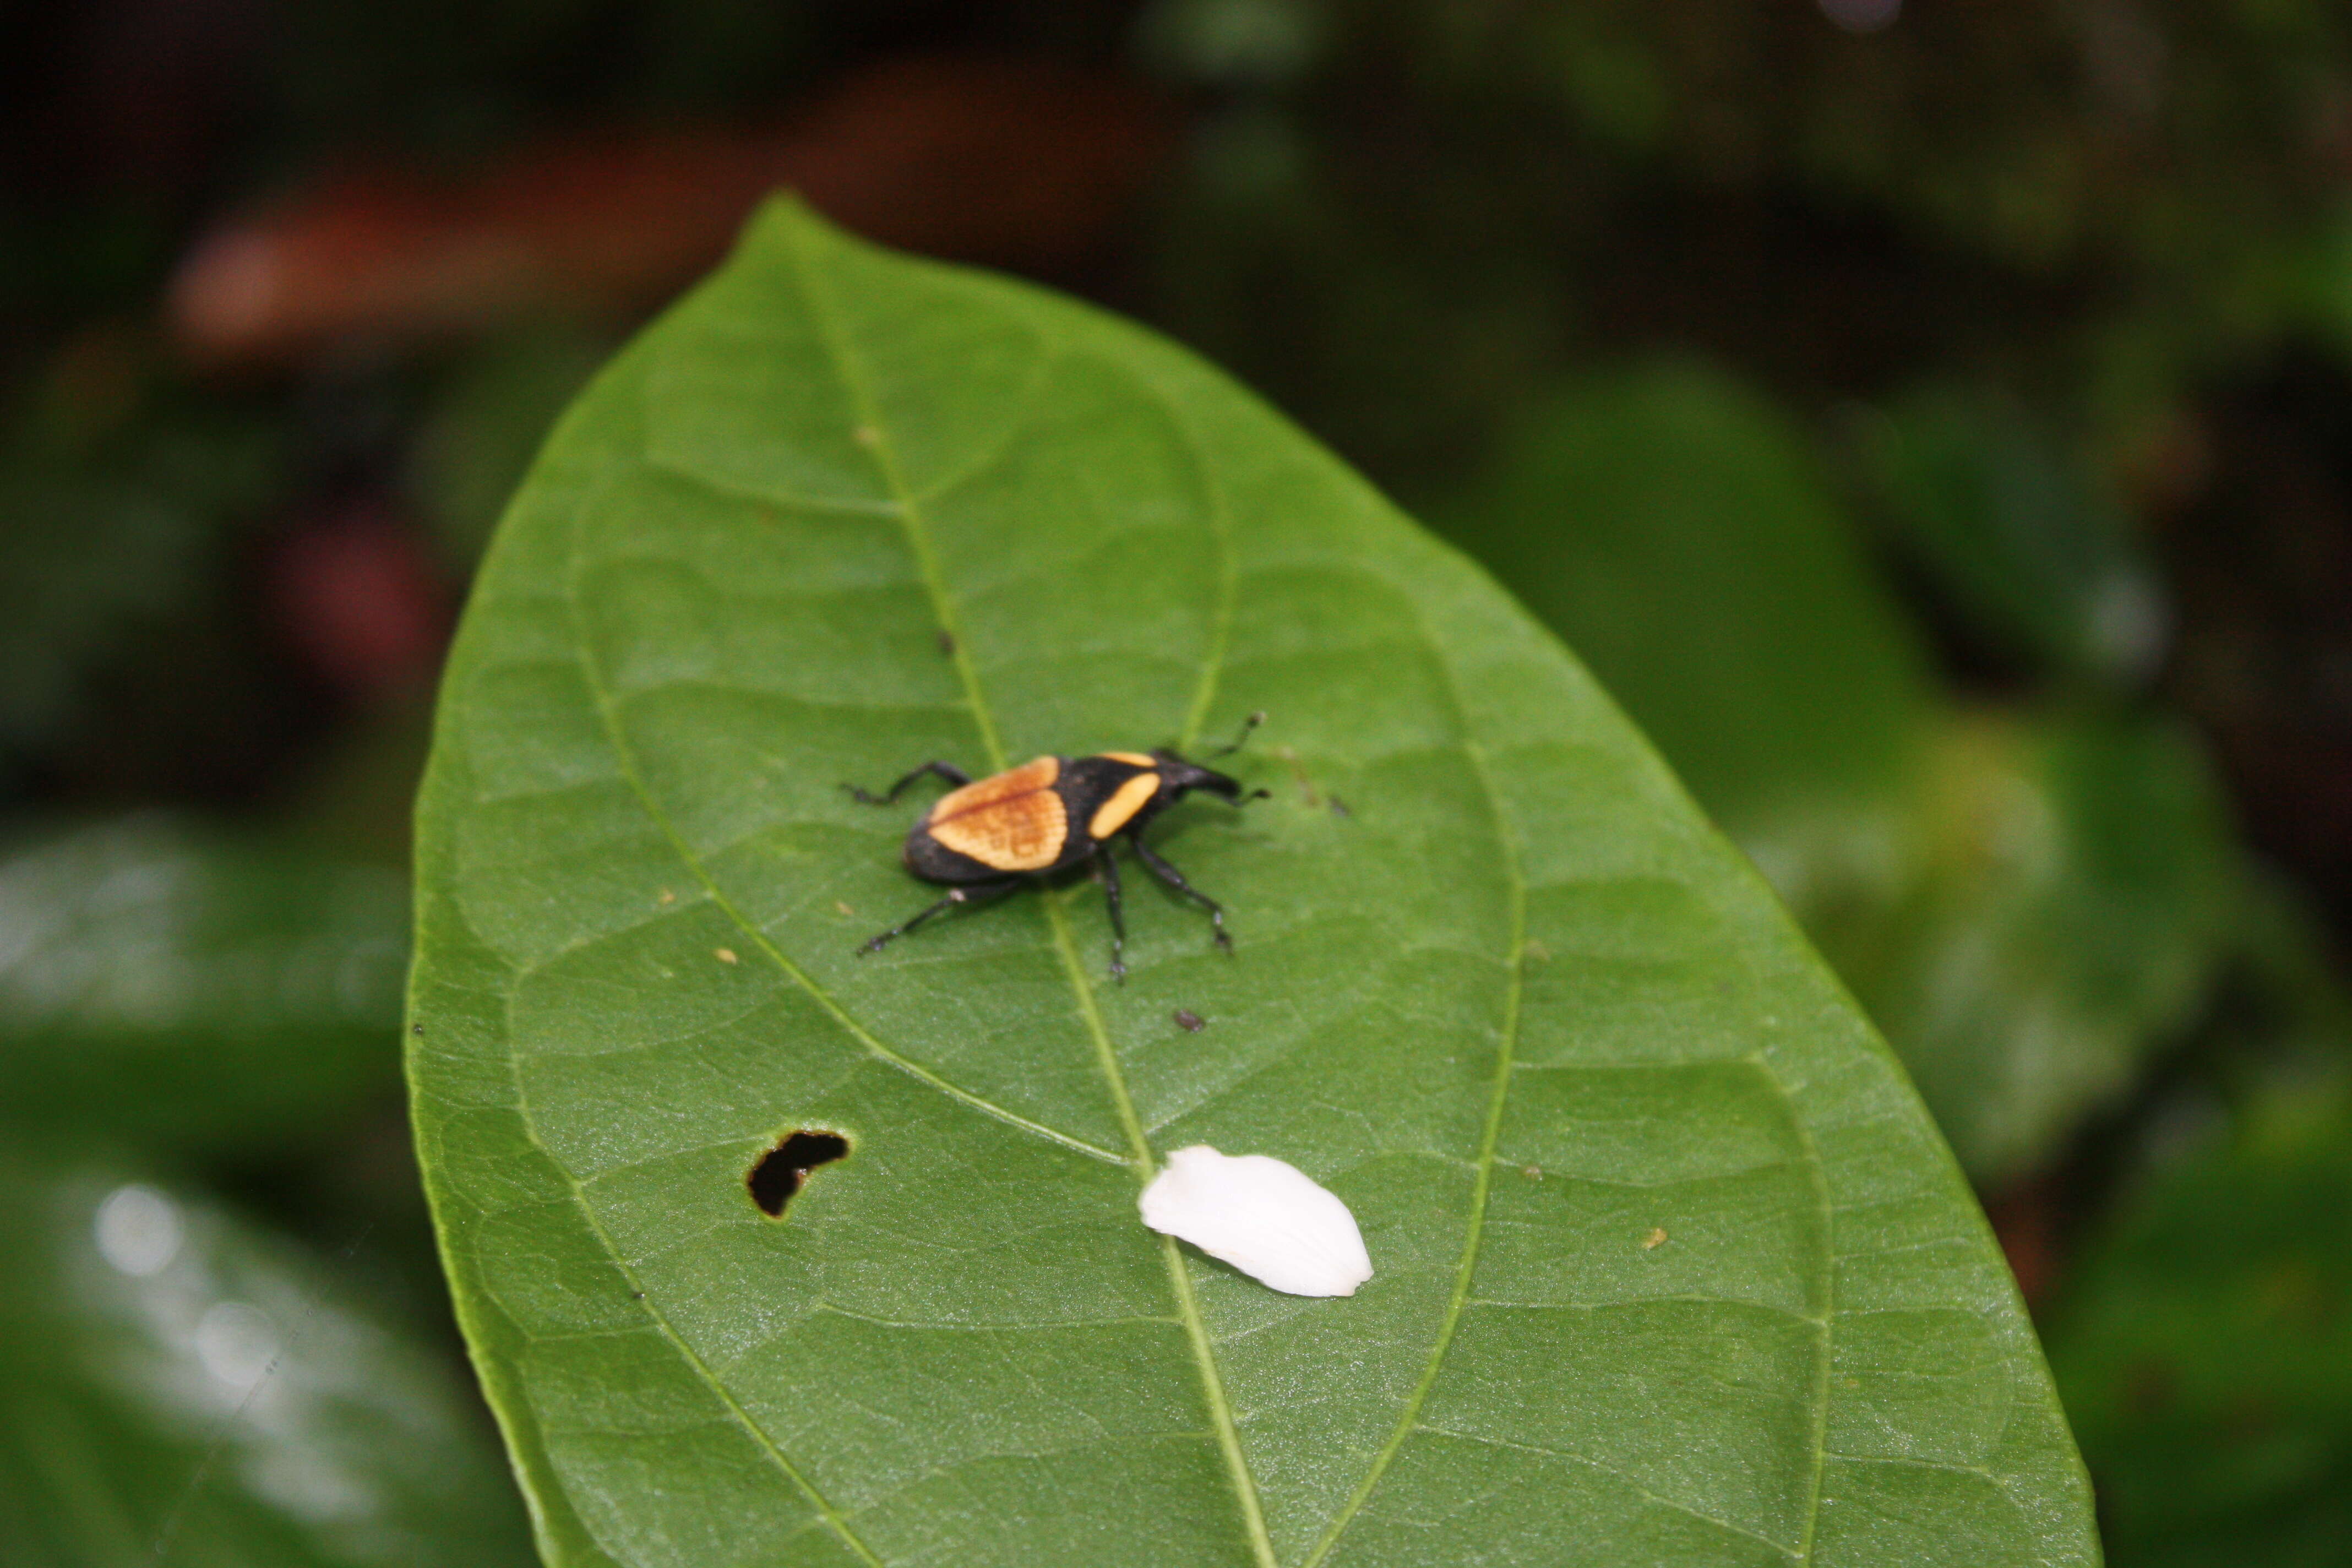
(987, 837)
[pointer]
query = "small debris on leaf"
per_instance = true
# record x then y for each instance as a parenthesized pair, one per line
(1264, 1216)
(1532, 1173)
(667, 897)
(1655, 1239)
(1189, 1021)
(726, 954)
(847, 913)
(1307, 790)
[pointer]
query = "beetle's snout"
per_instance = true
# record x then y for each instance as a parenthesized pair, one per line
(1212, 782)
(1184, 774)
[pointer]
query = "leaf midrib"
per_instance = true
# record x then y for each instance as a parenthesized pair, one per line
(908, 507)
(910, 514)
(616, 735)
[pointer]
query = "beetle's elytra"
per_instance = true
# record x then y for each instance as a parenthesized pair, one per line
(985, 838)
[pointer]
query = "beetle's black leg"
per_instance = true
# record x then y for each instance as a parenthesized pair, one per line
(1175, 878)
(953, 775)
(1118, 922)
(978, 893)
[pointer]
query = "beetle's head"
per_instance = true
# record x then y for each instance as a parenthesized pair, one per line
(1182, 777)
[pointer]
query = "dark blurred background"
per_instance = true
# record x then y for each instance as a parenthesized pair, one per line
(1934, 421)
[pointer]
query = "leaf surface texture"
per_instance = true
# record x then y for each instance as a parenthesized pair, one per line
(1671, 1266)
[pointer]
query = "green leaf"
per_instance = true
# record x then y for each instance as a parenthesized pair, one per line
(193, 990)
(1671, 1266)
(178, 1389)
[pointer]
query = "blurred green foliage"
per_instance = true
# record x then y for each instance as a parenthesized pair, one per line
(185, 990)
(175, 1386)
(483, 424)
(2200, 1341)
(1683, 535)
(121, 487)
(2028, 900)
(2037, 558)
(1405, 215)
(2205, 1354)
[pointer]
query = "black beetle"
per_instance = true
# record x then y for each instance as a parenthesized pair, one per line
(988, 837)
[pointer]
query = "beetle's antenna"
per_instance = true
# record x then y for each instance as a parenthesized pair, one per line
(1252, 722)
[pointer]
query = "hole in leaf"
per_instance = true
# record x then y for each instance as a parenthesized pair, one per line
(782, 1169)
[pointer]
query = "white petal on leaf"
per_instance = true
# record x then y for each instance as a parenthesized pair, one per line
(1264, 1216)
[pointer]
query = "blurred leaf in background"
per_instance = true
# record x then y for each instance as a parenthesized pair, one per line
(120, 488)
(2204, 1347)
(183, 990)
(484, 423)
(2068, 902)
(1680, 531)
(2203, 1339)
(178, 1386)
(2037, 563)
(2029, 904)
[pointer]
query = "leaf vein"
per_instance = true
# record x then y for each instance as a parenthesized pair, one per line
(1821, 1356)
(669, 1331)
(1617, 1475)
(1482, 1183)
(617, 738)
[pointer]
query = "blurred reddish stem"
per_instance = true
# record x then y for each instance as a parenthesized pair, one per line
(2025, 1218)
(981, 159)
(357, 594)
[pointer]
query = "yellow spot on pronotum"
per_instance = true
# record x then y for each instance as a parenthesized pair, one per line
(1133, 759)
(1125, 802)
(1655, 1239)
(725, 956)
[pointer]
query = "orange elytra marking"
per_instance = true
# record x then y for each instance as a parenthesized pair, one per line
(1039, 773)
(1125, 802)
(1133, 759)
(1012, 821)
